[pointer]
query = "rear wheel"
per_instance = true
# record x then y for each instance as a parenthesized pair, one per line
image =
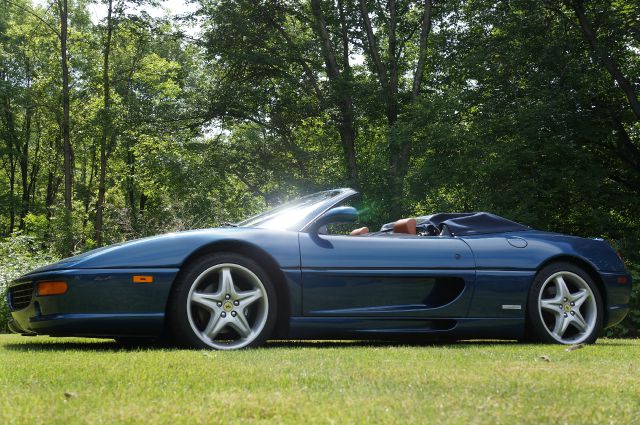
(224, 301)
(564, 306)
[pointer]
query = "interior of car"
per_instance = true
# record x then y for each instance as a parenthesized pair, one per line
(401, 227)
(405, 226)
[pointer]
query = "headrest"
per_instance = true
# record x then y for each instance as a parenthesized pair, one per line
(405, 225)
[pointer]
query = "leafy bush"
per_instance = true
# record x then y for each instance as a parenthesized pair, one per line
(20, 254)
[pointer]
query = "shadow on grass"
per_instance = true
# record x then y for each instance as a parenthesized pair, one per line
(98, 346)
(381, 343)
(61, 345)
(114, 346)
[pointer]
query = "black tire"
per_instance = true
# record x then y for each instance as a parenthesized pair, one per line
(199, 303)
(573, 315)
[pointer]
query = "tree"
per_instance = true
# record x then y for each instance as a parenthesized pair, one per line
(341, 78)
(604, 55)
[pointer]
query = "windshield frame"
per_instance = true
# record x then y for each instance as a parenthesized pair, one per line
(313, 211)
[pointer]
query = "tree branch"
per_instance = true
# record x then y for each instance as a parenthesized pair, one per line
(373, 46)
(605, 57)
(327, 50)
(404, 40)
(35, 15)
(305, 66)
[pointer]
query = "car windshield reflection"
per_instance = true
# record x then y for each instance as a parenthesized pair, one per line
(293, 214)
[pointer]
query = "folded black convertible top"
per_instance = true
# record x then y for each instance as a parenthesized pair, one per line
(465, 224)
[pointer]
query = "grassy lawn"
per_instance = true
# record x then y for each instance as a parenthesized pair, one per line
(72, 381)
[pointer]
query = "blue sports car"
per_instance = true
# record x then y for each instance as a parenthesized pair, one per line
(292, 272)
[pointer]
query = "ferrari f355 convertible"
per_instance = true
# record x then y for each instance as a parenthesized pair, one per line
(285, 274)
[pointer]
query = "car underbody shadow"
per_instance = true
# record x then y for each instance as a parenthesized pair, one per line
(64, 344)
(105, 345)
(101, 345)
(380, 343)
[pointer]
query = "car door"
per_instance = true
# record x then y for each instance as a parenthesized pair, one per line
(385, 276)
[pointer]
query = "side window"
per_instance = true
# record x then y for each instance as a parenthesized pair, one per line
(346, 228)
(342, 228)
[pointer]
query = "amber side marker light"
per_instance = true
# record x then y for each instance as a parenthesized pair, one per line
(52, 288)
(622, 280)
(142, 279)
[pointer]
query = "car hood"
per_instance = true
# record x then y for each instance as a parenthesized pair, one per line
(168, 250)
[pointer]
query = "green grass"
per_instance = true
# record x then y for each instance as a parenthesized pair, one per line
(314, 382)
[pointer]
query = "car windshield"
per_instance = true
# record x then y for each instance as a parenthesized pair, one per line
(292, 215)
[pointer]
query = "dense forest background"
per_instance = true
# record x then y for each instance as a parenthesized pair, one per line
(140, 123)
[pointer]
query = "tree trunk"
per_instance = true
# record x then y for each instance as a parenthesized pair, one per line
(341, 87)
(130, 188)
(344, 36)
(627, 151)
(373, 47)
(401, 166)
(397, 139)
(422, 52)
(392, 98)
(106, 130)
(24, 165)
(143, 203)
(66, 131)
(388, 73)
(50, 197)
(53, 179)
(12, 190)
(12, 143)
(35, 163)
(89, 186)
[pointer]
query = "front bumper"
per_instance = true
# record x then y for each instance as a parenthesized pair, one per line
(98, 302)
(13, 327)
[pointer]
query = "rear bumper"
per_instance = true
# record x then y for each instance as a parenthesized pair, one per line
(616, 297)
(98, 302)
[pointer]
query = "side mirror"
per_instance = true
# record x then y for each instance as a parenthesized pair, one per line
(335, 215)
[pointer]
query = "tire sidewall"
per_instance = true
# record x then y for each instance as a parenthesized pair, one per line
(178, 320)
(535, 325)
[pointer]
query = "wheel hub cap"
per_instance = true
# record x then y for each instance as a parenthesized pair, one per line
(228, 306)
(567, 307)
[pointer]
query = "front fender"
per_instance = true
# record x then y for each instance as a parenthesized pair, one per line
(171, 250)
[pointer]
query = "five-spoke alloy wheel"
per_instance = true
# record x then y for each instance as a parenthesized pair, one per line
(564, 305)
(224, 301)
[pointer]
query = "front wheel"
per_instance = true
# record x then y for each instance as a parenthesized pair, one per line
(224, 301)
(565, 306)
